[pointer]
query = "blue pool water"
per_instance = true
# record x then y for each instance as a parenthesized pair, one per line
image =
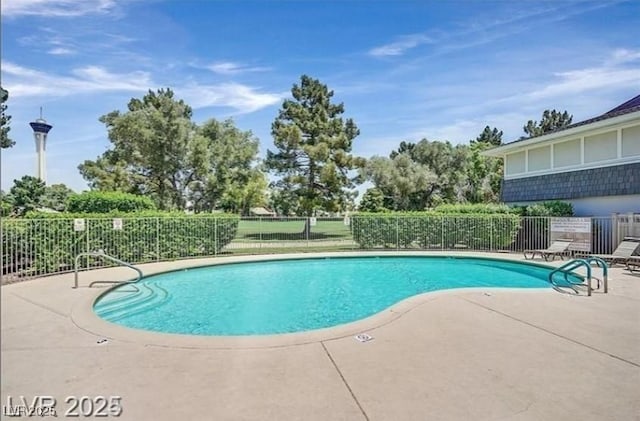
(297, 295)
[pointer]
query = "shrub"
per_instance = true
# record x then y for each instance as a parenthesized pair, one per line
(554, 208)
(478, 208)
(105, 202)
(18, 256)
(432, 229)
(5, 209)
(47, 243)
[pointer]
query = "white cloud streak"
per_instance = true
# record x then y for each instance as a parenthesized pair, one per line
(399, 47)
(24, 82)
(474, 34)
(55, 8)
(244, 99)
(231, 68)
(621, 69)
(61, 51)
(579, 90)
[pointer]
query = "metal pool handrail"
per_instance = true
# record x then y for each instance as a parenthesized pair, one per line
(101, 253)
(605, 270)
(567, 268)
(586, 262)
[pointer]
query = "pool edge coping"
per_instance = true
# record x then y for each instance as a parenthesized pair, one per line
(83, 316)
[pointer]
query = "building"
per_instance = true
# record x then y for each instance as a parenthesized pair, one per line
(260, 211)
(593, 164)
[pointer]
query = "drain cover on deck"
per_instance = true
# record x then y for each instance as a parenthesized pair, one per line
(363, 337)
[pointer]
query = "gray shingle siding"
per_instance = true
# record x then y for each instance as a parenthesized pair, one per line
(607, 181)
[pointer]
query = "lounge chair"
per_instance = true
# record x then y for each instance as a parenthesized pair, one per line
(625, 250)
(558, 248)
(633, 262)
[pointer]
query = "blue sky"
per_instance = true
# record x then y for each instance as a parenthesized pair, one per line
(405, 70)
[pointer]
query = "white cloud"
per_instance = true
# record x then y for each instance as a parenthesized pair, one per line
(623, 55)
(480, 31)
(620, 70)
(400, 46)
(55, 8)
(25, 82)
(61, 51)
(231, 68)
(244, 99)
(580, 81)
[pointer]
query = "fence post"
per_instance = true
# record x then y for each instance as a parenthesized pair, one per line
(442, 232)
(614, 228)
(491, 233)
(87, 240)
(215, 236)
(2, 261)
(260, 230)
(157, 238)
(397, 232)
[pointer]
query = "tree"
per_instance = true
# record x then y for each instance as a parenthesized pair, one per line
(404, 183)
(252, 194)
(159, 152)
(154, 149)
(6, 203)
(226, 176)
(55, 197)
(314, 143)
(550, 121)
(483, 175)
(111, 172)
(283, 201)
(372, 201)
(5, 141)
(421, 175)
(447, 162)
(489, 136)
(405, 147)
(27, 194)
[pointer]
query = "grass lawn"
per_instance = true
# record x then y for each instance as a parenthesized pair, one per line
(275, 230)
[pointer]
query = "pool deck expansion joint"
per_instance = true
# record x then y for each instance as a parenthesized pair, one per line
(42, 306)
(364, 413)
(558, 335)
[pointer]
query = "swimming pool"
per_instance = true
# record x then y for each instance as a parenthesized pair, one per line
(284, 296)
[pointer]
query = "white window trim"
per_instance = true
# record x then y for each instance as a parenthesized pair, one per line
(619, 160)
(572, 168)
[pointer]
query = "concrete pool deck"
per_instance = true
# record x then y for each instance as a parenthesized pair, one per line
(477, 354)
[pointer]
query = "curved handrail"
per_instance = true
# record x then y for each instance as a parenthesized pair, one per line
(569, 266)
(101, 253)
(605, 270)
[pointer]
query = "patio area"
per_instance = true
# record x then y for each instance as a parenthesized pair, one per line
(474, 354)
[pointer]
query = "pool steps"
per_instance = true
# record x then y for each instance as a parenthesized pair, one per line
(145, 298)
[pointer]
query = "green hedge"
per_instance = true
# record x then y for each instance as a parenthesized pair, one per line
(47, 243)
(105, 202)
(477, 208)
(425, 230)
(554, 208)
